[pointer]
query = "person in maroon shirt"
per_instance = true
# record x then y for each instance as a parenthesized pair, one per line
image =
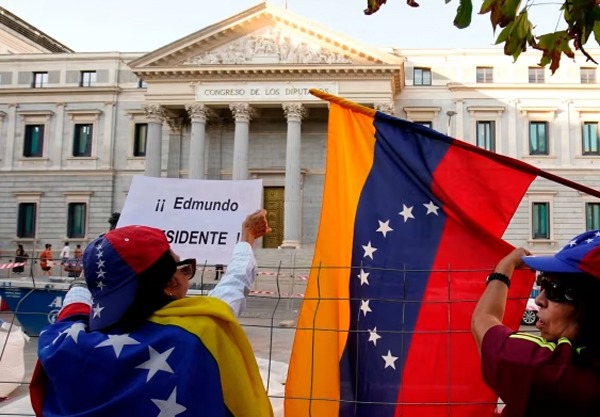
(558, 372)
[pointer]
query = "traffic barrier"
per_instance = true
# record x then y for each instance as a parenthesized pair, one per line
(10, 265)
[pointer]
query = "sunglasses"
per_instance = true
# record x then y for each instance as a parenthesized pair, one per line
(553, 290)
(187, 267)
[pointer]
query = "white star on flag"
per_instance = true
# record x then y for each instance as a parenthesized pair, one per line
(572, 243)
(431, 208)
(389, 360)
(406, 213)
(97, 311)
(100, 285)
(74, 331)
(589, 240)
(597, 234)
(157, 362)
(369, 250)
(373, 336)
(117, 342)
(100, 264)
(99, 253)
(364, 277)
(364, 306)
(169, 408)
(384, 227)
(101, 274)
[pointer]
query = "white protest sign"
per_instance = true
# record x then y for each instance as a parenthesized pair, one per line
(202, 219)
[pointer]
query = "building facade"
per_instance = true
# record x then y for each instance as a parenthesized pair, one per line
(231, 102)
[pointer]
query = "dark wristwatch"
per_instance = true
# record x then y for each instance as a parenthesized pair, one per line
(498, 276)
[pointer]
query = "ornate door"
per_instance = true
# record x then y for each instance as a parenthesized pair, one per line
(273, 203)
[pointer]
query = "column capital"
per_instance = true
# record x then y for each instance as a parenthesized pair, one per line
(294, 112)
(384, 106)
(242, 112)
(175, 123)
(154, 113)
(198, 112)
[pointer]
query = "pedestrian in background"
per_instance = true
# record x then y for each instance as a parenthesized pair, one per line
(65, 253)
(142, 347)
(20, 256)
(46, 259)
(558, 372)
(77, 253)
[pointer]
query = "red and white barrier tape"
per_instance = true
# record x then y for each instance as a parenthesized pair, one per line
(10, 265)
(276, 294)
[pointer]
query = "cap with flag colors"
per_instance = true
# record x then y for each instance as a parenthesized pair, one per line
(112, 264)
(581, 254)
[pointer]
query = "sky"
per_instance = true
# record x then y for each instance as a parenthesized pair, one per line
(145, 25)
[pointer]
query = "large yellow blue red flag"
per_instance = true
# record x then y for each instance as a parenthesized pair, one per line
(411, 223)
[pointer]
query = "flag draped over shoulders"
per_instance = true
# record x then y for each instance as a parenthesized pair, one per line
(191, 358)
(411, 224)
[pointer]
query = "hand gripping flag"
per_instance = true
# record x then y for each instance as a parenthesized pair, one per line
(411, 224)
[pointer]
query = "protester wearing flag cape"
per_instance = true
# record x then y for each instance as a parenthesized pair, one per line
(133, 345)
(558, 372)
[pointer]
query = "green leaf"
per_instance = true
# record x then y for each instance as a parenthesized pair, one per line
(597, 31)
(553, 46)
(463, 14)
(504, 34)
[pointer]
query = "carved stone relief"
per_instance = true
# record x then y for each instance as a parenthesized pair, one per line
(270, 45)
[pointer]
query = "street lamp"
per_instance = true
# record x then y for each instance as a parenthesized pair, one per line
(449, 113)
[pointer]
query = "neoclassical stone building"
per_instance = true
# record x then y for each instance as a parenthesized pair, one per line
(231, 102)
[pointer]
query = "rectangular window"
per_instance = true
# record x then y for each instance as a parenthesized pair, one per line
(538, 138)
(76, 220)
(486, 135)
(26, 220)
(87, 79)
(536, 75)
(592, 216)
(82, 139)
(591, 141)
(588, 75)
(422, 76)
(40, 79)
(425, 123)
(485, 74)
(33, 146)
(540, 220)
(142, 83)
(140, 135)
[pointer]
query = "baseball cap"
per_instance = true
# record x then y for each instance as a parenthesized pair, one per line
(580, 255)
(112, 264)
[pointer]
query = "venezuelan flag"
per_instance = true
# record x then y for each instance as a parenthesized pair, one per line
(411, 224)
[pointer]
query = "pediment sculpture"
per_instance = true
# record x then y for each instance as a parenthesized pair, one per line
(270, 45)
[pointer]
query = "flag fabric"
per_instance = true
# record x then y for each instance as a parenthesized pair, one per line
(192, 358)
(411, 225)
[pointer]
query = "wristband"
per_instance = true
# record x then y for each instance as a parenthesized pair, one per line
(498, 276)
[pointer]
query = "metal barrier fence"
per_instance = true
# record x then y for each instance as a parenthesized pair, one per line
(270, 321)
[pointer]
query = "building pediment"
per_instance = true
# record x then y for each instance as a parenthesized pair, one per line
(272, 45)
(264, 36)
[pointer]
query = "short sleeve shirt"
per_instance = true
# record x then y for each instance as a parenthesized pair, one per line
(535, 377)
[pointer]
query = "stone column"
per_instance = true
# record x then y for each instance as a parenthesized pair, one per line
(106, 156)
(55, 151)
(155, 115)
(292, 226)
(175, 123)
(11, 137)
(384, 107)
(460, 119)
(199, 114)
(242, 113)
